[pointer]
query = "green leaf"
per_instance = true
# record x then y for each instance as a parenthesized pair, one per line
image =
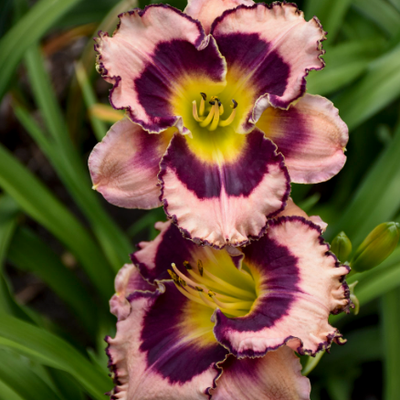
(50, 350)
(26, 32)
(6, 393)
(37, 201)
(8, 219)
(19, 376)
(69, 166)
(378, 88)
(344, 63)
(377, 199)
(28, 252)
(330, 13)
(390, 337)
(381, 12)
(89, 96)
(376, 282)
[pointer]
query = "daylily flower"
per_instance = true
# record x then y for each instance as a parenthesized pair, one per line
(217, 115)
(224, 324)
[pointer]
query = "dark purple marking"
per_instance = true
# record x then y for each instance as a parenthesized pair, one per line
(172, 249)
(147, 150)
(161, 337)
(170, 62)
(296, 136)
(269, 72)
(243, 176)
(279, 267)
(239, 178)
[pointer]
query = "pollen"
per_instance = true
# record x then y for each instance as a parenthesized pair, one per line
(215, 110)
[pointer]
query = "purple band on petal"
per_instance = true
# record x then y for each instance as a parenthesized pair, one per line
(161, 338)
(239, 178)
(290, 145)
(281, 272)
(171, 62)
(173, 248)
(249, 52)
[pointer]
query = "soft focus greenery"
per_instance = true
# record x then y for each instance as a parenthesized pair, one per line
(69, 242)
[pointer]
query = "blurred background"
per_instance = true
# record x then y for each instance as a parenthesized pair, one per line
(61, 244)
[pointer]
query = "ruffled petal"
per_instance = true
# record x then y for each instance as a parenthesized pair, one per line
(299, 284)
(158, 59)
(223, 198)
(164, 349)
(292, 209)
(276, 376)
(269, 50)
(311, 136)
(153, 259)
(127, 281)
(206, 11)
(125, 164)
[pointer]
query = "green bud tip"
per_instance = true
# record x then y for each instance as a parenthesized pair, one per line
(376, 247)
(341, 246)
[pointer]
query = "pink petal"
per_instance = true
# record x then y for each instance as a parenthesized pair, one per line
(292, 209)
(125, 164)
(269, 51)
(127, 281)
(276, 376)
(223, 202)
(311, 136)
(152, 355)
(153, 59)
(301, 284)
(207, 10)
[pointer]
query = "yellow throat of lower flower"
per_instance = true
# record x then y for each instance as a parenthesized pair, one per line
(234, 299)
(209, 115)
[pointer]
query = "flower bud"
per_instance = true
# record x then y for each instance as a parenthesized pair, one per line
(341, 247)
(376, 247)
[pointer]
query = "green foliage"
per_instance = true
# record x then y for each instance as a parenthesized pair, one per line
(40, 230)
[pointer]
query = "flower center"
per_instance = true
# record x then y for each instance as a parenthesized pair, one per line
(209, 114)
(234, 299)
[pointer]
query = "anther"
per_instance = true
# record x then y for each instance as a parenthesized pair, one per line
(187, 265)
(173, 275)
(182, 282)
(203, 95)
(200, 267)
(235, 104)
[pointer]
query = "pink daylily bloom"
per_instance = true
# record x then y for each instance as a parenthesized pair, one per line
(199, 323)
(218, 122)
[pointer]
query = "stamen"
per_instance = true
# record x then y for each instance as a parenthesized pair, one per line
(215, 121)
(230, 119)
(221, 108)
(179, 274)
(202, 103)
(193, 298)
(230, 287)
(194, 112)
(240, 305)
(209, 118)
(210, 290)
